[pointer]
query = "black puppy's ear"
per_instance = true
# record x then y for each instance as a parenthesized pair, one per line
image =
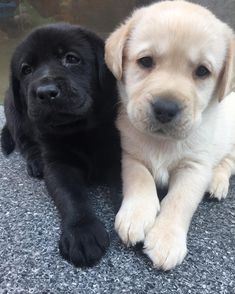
(104, 74)
(106, 79)
(14, 91)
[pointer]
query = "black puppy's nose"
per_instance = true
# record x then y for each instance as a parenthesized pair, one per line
(165, 110)
(48, 92)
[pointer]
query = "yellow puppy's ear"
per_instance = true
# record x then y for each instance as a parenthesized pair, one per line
(227, 78)
(114, 47)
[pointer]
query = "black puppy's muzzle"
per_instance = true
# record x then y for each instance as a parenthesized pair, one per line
(56, 102)
(48, 92)
(51, 92)
(56, 93)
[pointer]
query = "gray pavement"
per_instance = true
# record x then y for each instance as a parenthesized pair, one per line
(30, 261)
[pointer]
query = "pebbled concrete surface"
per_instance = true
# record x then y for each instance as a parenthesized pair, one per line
(30, 261)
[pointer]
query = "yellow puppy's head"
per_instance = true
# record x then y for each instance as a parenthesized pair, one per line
(173, 60)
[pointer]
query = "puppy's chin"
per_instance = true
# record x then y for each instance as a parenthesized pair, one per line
(61, 121)
(171, 133)
(174, 130)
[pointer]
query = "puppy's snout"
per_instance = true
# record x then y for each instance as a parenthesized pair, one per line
(165, 110)
(48, 92)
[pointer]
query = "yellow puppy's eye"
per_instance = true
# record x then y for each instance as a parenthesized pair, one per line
(202, 72)
(146, 62)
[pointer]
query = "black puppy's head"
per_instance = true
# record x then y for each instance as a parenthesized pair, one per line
(59, 78)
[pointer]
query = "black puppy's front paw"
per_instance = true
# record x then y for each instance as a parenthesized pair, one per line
(85, 243)
(35, 168)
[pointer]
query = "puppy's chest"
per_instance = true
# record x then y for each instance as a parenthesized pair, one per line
(160, 158)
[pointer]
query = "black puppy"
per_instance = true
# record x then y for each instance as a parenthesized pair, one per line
(60, 113)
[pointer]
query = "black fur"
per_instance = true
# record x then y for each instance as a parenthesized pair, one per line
(7, 142)
(60, 114)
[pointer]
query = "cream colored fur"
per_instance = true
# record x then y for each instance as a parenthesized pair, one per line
(194, 154)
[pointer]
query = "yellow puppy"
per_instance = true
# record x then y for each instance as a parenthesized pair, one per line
(175, 64)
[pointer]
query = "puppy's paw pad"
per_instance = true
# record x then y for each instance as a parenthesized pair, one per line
(134, 221)
(84, 244)
(166, 247)
(219, 187)
(35, 168)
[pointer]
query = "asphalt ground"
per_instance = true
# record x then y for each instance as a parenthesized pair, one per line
(30, 260)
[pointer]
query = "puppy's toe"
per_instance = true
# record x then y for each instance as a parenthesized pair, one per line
(35, 168)
(134, 220)
(84, 244)
(165, 246)
(219, 186)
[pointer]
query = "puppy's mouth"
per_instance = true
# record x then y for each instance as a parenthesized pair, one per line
(62, 117)
(161, 132)
(171, 132)
(67, 120)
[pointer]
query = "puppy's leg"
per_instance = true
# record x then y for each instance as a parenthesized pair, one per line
(83, 239)
(7, 142)
(219, 185)
(18, 131)
(31, 152)
(165, 244)
(28, 148)
(140, 204)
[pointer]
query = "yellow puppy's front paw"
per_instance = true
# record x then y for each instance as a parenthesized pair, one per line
(166, 246)
(134, 219)
(219, 186)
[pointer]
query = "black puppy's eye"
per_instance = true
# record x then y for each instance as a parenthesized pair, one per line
(146, 62)
(202, 72)
(26, 69)
(72, 58)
